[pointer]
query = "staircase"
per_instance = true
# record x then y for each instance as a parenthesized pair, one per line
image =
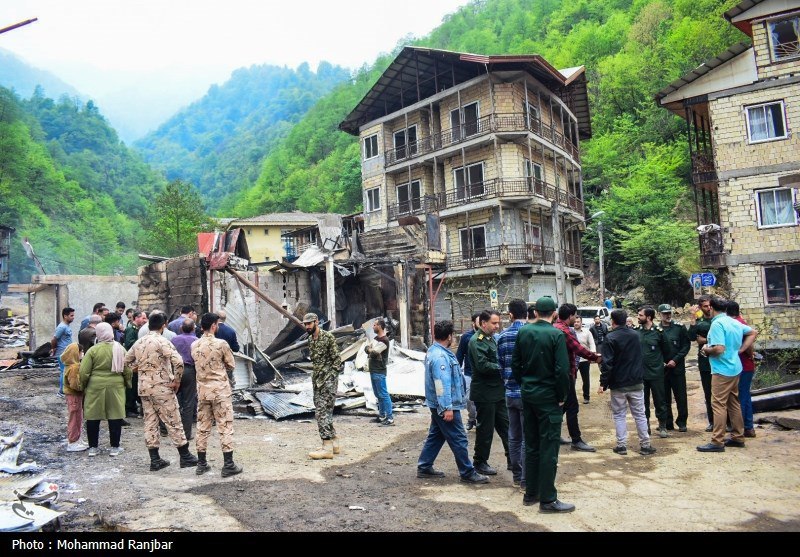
(400, 243)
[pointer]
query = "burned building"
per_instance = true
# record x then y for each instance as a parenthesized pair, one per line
(471, 177)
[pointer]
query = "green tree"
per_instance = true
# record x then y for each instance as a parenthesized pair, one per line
(176, 217)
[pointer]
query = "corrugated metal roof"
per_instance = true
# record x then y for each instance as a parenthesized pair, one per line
(295, 217)
(277, 405)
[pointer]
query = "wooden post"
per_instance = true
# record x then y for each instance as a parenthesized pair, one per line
(264, 297)
(331, 291)
(402, 303)
(559, 261)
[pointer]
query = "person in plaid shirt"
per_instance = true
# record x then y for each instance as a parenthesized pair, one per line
(567, 314)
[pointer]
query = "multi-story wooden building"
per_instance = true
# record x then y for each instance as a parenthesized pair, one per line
(474, 161)
(741, 108)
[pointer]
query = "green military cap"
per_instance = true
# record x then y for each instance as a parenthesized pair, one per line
(665, 308)
(545, 303)
(310, 318)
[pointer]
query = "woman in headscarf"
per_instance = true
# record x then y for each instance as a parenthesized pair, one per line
(71, 358)
(103, 378)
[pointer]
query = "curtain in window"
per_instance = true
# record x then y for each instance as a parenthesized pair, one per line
(761, 127)
(783, 207)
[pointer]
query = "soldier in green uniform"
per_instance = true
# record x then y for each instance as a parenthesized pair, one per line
(540, 365)
(327, 364)
(698, 332)
(677, 340)
(654, 351)
(488, 391)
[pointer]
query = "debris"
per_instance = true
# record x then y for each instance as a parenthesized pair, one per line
(781, 400)
(9, 453)
(356, 508)
(776, 388)
(277, 405)
(14, 332)
(788, 423)
(25, 516)
(43, 493)
(343, 475)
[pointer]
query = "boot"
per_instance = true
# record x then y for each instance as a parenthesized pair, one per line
(187, 459)
(156, 462)
(335, 441)
(202, 465)
(230, 468)
(325, 452)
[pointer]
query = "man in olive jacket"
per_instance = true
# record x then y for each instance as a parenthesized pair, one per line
(677, 339)
(488, 391)
(654, 352)
(540, 365)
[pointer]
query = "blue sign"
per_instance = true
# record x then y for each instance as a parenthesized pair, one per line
(708, 279)
(695, 278)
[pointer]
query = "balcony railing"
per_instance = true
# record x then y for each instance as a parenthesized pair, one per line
(512, 122)
(508, 187)
(415, 206)
(514, 254)
(703, 169)
(712, 250)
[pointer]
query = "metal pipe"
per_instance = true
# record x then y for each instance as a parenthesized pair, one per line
(264, 297)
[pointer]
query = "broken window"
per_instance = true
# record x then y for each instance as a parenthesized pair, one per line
(409, 199)
(775, 208)
(405, 142)
(765, 122)
(782, 284)
(784, 37)
(469, 184)
(464, 122)
(371, 147)
(473, 242)
(373, 200)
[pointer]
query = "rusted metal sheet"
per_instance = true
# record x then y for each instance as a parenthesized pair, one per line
(277, 405)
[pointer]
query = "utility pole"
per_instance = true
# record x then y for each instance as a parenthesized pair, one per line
(602, 268)
(559, 256)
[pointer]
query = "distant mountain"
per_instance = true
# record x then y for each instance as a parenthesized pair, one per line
(219, 142)
(22, 78)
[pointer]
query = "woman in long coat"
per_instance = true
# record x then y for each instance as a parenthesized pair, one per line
(103, 379)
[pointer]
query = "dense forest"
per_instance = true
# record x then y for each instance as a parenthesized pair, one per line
(69, 185)
(636, 165)
(219, 142)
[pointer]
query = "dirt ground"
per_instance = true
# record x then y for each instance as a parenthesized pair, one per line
(678, 489)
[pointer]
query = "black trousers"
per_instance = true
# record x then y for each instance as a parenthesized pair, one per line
(93, 432)
(492, 416)
(583, 368)
(187, 398)
(571, 409)
(132, 394)
(705, 380)
(675, 384)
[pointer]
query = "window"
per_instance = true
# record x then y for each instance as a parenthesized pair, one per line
(470, 186)
(405, 142)
(373, 200)
(765, 122)
(775, 208)
(533, 170)
(533, 235)
(532, 113)
(782, 284)
(464, 122)
(784, 35)
(473, 242)
(409, 200)
(371, 147)
(266, 232)
(249, 232)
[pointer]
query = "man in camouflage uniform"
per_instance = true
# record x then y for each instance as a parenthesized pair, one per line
(654, 352)
(213, 359)
(677, 340)
(160, 367)
(698, 332)
(327, 365)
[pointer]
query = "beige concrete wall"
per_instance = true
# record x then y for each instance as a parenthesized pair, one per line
(483, 155)
(377, 218)
(423, 174)
(373, 166)
(475, 218)
(729, 123)
(767, 68)
(478, 92)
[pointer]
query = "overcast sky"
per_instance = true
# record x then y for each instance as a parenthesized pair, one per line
(80, 40)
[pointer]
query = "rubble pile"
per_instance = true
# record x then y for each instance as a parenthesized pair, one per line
(14, 332)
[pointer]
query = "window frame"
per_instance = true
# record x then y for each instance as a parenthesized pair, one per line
(528, 165)
(527, 235)
(771, 44)
(459, 136)
(792, 201)
(410, 147)
(471, 231)
(467, 184)
(364, 148)
(414, 203)
(786, 286)
(747, 109)
(368, 206)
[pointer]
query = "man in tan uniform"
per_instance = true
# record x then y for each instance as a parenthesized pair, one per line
(160, 368)
(213, 359)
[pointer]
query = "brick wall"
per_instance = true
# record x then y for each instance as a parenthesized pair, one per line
(767, 69)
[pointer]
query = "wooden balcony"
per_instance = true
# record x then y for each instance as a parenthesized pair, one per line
(514, 254)
(703, 169)
(492, 123)
(509, 187)
(712, 250)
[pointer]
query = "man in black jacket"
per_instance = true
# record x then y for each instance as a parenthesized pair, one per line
(621, 370)
(599, 331)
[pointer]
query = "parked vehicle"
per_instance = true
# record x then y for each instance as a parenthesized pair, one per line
(588, 314)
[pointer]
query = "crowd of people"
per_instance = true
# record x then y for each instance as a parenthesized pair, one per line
(522, 383)
(169, 374)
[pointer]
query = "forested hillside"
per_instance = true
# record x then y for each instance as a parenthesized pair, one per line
(219, 142)
(636, 165)
(70, 186)
(23, 79)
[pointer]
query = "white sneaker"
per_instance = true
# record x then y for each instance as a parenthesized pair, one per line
(76, 447)
(114, 451)
(92, 451)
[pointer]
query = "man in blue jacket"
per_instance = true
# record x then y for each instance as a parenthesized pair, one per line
(445, 396)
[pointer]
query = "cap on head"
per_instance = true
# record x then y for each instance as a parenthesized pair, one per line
(545, 303)
(310, 318)
(665, 308)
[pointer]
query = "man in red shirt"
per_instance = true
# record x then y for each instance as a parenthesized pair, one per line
(567, 314)
(746, 377)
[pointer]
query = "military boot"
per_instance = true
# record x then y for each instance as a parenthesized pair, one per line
(187, 459)
(156, 462)
(335, 441)
(230, 468)
(202, 465)
(325, 452)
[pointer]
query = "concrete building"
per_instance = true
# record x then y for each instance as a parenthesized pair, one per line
(741, 108)
(471, 164)
(264, 232)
